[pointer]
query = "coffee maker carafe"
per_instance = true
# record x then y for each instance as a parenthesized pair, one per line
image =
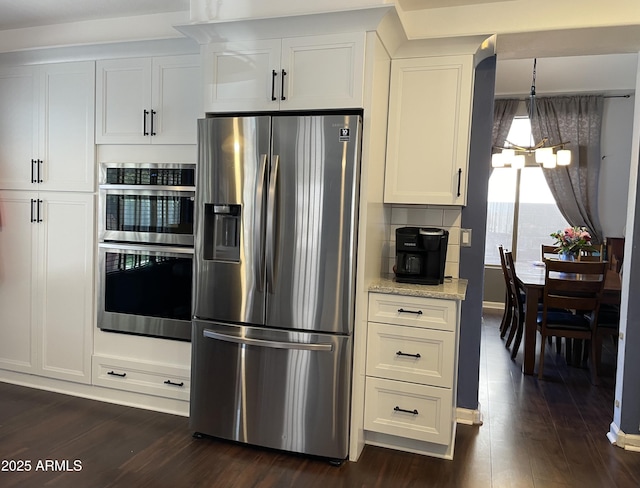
(421, 253)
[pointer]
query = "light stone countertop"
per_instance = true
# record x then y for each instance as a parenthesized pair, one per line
(451, 289)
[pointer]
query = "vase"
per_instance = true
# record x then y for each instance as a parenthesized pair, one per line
(567, 256)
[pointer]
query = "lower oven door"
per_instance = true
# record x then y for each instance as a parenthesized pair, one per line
(145, 290)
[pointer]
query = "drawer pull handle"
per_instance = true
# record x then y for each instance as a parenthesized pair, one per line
(417, 355)
(113, 373)
(398, 409)
(402, 310)
(169, 382)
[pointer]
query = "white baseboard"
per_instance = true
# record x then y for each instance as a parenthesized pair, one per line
(493, 305)
(467, 416)
(628, 442)
(92, 392)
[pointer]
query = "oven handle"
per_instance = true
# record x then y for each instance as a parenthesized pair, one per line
(299, 346)
(146, 248)
(154, 188)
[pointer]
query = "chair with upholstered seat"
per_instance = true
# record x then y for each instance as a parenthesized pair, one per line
(546, 249)
(594, 254)
(574, 286)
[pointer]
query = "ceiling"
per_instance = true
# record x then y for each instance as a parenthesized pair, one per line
(16, 14)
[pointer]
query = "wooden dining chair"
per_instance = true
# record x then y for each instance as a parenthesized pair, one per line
(517, 297)
(546, 249)
(505, 324)
(574, 286)
(594, 254)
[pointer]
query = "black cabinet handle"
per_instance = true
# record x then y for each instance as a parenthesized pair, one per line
(153, 112)
(274, 73)
(282, 97)
(33, 173)
(400, 353)
(38, 217)
(459, 179)
(398, 409)
(40, 163)
(120, 375)
(32, 211)
(144, 122)
(416, 312)
(169, 382)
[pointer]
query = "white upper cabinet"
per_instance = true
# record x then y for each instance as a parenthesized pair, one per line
(148, 100)
(47, 127)
(314, 72)
(429, 128)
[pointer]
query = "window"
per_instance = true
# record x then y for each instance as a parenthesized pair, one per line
(520, 200)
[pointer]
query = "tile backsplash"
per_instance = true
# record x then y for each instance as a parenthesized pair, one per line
(426, 216)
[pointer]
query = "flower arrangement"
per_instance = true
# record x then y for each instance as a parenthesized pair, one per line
(572, 240)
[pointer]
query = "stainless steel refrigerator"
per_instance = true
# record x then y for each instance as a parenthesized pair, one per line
(274, 280)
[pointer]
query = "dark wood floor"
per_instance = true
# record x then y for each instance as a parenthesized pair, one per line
(535, 434)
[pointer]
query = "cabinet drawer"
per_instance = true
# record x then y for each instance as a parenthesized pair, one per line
(431, 313)
(139, 377)
(408, 410)
(422, 356)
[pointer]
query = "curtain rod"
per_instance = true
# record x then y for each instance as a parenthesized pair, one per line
(604, 96)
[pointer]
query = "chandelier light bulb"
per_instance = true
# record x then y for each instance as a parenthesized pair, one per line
(564, 157)
(543, 154)
(518, 162)
(549, 163)
(497, 160)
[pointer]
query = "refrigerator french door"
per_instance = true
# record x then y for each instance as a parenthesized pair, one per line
(276, 211)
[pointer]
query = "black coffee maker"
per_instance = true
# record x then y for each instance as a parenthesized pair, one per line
(421, 253)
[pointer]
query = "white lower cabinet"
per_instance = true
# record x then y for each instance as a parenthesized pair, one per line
(411, 373)
(141, 377)
(46, 283)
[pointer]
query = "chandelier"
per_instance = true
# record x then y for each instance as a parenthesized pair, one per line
(548, 155)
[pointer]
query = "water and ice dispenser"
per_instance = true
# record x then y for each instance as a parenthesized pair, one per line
(222, 232)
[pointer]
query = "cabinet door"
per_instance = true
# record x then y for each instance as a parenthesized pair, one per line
(175, 99)
(67, 148)
(323, 71)
(123, 88)
(239, 76)
(18, 127)
(17, 267)
(65, 291)
(428, 135)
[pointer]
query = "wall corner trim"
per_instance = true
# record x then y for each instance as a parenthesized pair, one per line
(467, 416)
(628, 442)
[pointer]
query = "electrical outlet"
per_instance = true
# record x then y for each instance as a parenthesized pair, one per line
(465, 237)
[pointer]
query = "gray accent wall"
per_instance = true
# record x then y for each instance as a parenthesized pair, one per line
(474, 217)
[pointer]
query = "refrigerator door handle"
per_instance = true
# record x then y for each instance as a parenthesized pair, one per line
(271, 223)
(259, 243)
(299, 346)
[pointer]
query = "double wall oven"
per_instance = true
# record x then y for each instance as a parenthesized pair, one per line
(145, 250)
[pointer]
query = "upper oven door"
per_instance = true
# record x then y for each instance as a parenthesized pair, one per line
(147, 203)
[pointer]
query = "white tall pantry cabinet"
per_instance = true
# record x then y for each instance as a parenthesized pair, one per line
(47, 219)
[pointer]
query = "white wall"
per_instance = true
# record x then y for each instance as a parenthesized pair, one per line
(617, 135)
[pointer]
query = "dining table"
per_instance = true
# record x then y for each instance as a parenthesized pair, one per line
(530, 276)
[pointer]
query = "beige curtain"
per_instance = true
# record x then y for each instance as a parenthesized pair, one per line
(577, 120)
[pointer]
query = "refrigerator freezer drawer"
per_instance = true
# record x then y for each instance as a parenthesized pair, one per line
(278, 389)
